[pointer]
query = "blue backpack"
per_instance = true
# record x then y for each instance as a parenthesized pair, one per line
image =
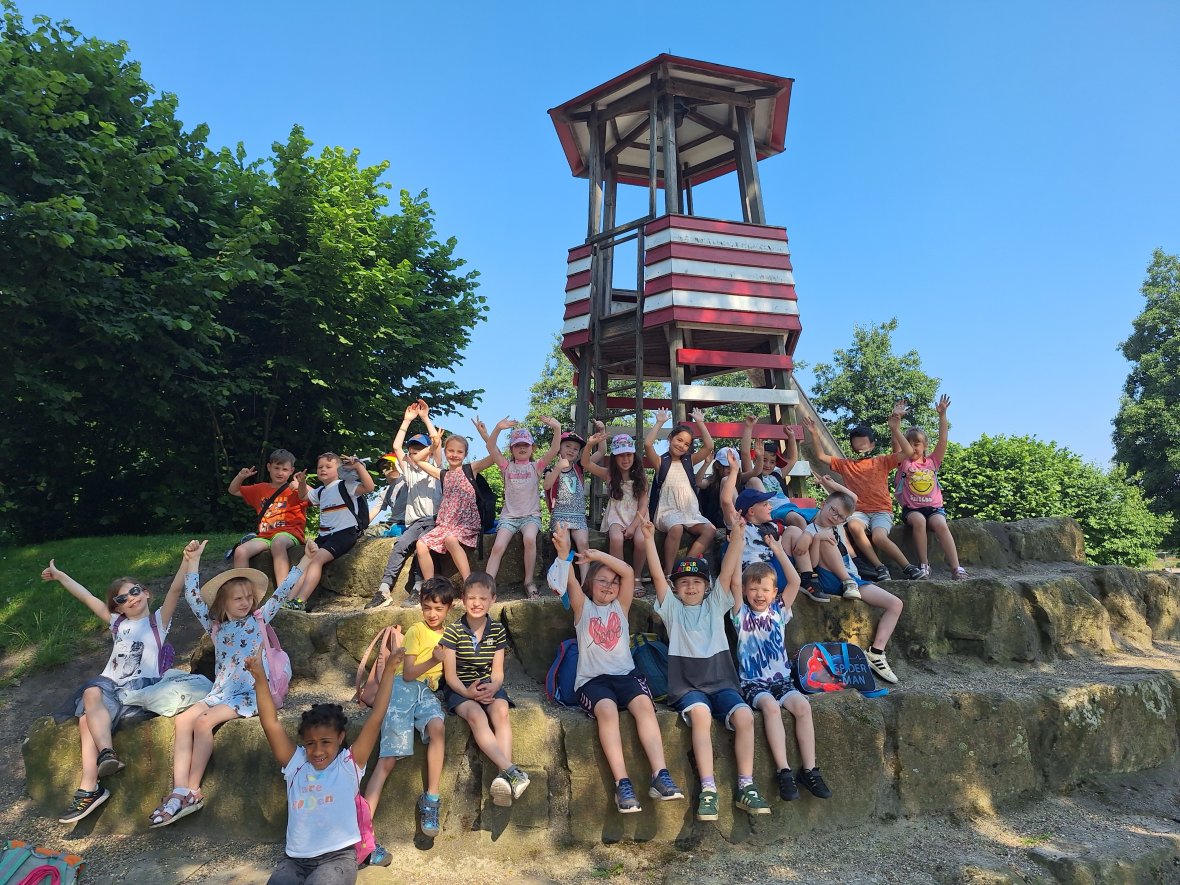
(559, 681)
(835, 666)
(651, 660)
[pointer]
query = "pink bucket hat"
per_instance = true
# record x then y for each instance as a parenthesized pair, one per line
(621, 444)
(520, 435)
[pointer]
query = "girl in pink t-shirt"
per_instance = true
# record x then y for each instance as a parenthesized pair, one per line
(920, 495)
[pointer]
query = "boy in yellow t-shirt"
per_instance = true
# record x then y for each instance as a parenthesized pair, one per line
(414, 707)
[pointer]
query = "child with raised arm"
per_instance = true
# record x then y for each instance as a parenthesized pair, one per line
(473, 666)
(702, 682)
(626, 503)
(760, 614)
(138, 637)
(230, 610)
(414, 707)
(338, 500)
(323, 781)
(457, 526)
(838, 575)
(281, 505)
(867, 475)
(673, 502)
(522, 499)
(565, 492)
(607, 680)
(920, 495)
(767, 477)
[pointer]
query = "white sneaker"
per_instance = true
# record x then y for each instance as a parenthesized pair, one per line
(880, 666)
(959, 574)
(924, 568)
(851, 589)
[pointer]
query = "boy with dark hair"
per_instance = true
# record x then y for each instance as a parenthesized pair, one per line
(281, 505)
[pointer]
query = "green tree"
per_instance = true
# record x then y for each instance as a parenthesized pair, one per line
(1147, 427)
(862, 383)
(1008, 478)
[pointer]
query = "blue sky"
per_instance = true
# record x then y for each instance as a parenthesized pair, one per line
(993, 175)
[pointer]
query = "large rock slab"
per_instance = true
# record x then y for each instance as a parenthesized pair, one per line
(1002, 544)
(1069, 617)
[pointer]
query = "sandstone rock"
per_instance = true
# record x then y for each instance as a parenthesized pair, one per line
(983, 617)
(1048, 539)
(1068, 616)
(264, 562)
(1121, 593)
(359, 572)
(1149, 857)
(1161, 598)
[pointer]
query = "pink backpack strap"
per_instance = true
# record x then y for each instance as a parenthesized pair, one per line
(361, 672)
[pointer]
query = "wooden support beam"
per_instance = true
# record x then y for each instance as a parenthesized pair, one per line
(696, 393)
(729, 359)
(733, 429)
(711, 94)
(671, 157)
(624, 141)
(747, 157)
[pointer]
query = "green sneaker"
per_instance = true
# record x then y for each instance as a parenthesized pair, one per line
(707, 805)
(751, 802)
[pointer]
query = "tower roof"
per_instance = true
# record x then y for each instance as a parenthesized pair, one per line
(707, 96)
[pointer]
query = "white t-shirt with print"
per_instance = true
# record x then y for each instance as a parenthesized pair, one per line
(135, 655)
(321, 805)
(335, 515)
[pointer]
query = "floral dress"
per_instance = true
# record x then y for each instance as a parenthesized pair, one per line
(458, 514)
(233, 642)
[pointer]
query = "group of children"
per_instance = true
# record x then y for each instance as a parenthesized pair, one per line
(772, 550)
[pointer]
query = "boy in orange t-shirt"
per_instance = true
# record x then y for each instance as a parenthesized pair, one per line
(867, 476)
(281, 523)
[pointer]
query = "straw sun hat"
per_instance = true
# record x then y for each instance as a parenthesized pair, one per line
(259, 583)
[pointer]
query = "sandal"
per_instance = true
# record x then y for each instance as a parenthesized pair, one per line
(532, 591)
(173, 807)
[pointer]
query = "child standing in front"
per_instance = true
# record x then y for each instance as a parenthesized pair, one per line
(138, 636)
(281, 505)
(414, 707)
(702, 682)
(473, 666)
(522, 499)
(626, 496)
(323, 782)
(607, 680)
(674, 507)
(920, 495)
(565, 491)
(228, 609)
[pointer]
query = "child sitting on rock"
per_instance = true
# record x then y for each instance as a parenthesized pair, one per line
(138, 635)
(414, 707)
(607, 680)
(673, 503)
(565, 491)
(626, 504)
(281, 505)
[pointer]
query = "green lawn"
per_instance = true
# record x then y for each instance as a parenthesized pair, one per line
(43, 616)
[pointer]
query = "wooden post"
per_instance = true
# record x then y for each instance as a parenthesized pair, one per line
(608, 222)
(594, 221)
(675, 342)
(652, 146)
(747, 157)
(671, 156)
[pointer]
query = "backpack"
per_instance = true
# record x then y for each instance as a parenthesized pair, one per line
(165, 653)
(834, 666)
(559, 681)
(22, 862)
(358, 507)
(651, 660)
(386, 641)
(653, 498)
(278, 662)
(485, 502)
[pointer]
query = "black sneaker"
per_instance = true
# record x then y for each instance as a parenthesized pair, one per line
(108, 763)
(883, 574)
(814, 781)
(85, 801)
(912, 573)
(787, 791)
(380, 600)
(412, 599)
(814, 593)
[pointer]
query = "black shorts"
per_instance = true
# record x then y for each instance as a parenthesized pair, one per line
(620, 689)
(338, 543)
(925, 511)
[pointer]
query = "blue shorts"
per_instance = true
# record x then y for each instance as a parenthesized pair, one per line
(925, 511)
(411, 707)
(620, 689)
(776, 688)
(722, 704)
(830, 584)
(514, 524)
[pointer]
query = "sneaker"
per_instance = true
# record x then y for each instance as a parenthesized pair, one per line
(814, 781)
(707, 805)
(84, 802)
(787, 791)
(295, 605)
(923, 571)
(959, 574)
(883, 574)
(880, 666)
(108, 763)
(851, 589)
(379, 858)
(815, 594)
(518, 780)
(428, 810)
(664, 788)
(380, 598)
(413, 598)
(501, 790)
(750, 802)
(625, 799)
(912, 573)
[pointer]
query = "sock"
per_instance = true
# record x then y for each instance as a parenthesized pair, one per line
(655, 776)
(384, 589)
(807, 579)
(433, 797)
(708, 783)
(744, 780)
(183, 791)
(876, 651)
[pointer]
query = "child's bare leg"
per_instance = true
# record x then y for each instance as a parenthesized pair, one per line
(502, 726)
(616, 541)
(581, 539)
(310, 581)
(772, 724)
(606, 714)
(705, 532)
(890, 607)
(89, 781)
(474, 715)
(640, 560)
(917, 524)
(700, 720)
(796, 704)
(742, 720)
(796, 520)
(98, 719)
(182, 748)
(528, 538)
(436, 748)
(243, 553)
(425, 561)
(280, 556)
(797, 543)
(888, 549)
(946, 540)
(672, 545)
(828, 556)
(377, 781)
(503, 537)
(860, 540)
(458, 554)
(648, 727)
(203, 742)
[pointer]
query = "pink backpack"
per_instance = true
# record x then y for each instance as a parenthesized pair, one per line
(278, 662)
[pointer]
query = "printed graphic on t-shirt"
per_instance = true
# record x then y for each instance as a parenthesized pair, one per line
(311, 795)
(128, 665)
(607, 635)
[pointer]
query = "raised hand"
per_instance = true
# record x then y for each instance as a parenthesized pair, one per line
(647, 527)
(194, 549)
(595, 438)
(506, 422)
(563, 465)
(825, 481)
(52, 572)
(737, 531)
(942, 405)
(561, 540)
(663, 416)
(300, 477)
(310, 548)
(411, 411)
(246, 472)
(750, 421)
(254, 666)
(809, 424)
(480, 427)
(599, 427)
(423, 409)
(550, 421)
(899, 409)
(697, 415)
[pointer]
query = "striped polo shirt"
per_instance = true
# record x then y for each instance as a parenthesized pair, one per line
(473, 660)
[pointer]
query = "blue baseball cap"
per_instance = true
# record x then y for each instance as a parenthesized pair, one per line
(420, 439)
(749, 497)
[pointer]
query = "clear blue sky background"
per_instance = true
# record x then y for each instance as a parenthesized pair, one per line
(993, 175)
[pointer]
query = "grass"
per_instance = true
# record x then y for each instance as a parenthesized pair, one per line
(42, 620)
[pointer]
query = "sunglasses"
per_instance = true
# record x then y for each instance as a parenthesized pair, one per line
(135, 590)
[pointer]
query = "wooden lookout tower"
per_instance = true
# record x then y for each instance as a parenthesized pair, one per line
(706, 296)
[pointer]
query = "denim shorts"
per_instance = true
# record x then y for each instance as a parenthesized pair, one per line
(830, 584)
(722, 704)
(411, 707)
(515, 523)
(874, 521)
